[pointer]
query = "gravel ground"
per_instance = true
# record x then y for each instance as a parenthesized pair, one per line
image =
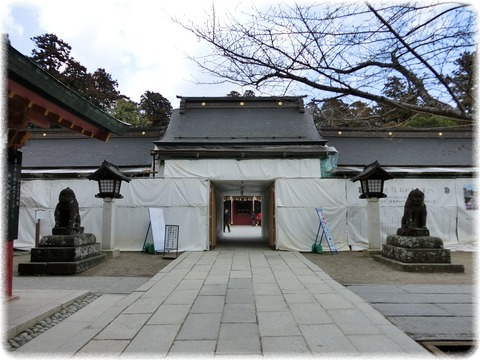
(128, 263)
(352, 267)
(348, 267)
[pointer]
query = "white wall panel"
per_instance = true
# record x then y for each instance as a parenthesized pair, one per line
(185, 203)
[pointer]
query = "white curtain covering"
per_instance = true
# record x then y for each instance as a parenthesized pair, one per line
(185, 202)
(346, 213)
(225, 169)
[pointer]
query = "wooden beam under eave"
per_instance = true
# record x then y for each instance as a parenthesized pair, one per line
(17, 138)
(54, 112)
(16, 115)
(104, 136)
(38, 119)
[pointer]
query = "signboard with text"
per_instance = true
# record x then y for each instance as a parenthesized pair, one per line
(13, 192)
(326, 232)
(170, 249)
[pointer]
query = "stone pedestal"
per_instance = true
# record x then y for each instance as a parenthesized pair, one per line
(63, 255)
(374, 235)
(108, 228)
(417, 254)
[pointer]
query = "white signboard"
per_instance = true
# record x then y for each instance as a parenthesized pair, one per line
(39, 214)
(171, 241)
(326, 232)
(157, 223)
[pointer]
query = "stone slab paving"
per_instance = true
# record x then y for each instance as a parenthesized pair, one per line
(32, 306)
(96, 284)
(250, 302)
(426, 312)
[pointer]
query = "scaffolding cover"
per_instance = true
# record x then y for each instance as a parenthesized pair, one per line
(259, 169)
(184, 203)
(451, 204)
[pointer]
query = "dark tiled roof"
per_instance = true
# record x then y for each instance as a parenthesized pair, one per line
(425, 152)
(82, 152)
(212, 121)
(62, 151)
(241, 128)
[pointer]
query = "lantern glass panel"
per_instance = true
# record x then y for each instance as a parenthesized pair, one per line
(106, 186)
(375, 185)
(117, 186)
(364, 185)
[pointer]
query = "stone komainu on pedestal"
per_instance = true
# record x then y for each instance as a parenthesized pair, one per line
(68, 250)
(412, 248)
(67, 214)
(414, 220)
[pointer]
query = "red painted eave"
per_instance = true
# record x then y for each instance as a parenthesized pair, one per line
(41, 112)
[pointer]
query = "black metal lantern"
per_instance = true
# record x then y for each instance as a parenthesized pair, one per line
(109, 179)
(371, 180)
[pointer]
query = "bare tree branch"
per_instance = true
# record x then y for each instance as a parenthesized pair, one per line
(348, 50)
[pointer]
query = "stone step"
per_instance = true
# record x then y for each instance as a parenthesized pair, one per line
(59, 268)
(415, 255)
(67, 240)
(415, 242)
(421, 267)
(65, 254)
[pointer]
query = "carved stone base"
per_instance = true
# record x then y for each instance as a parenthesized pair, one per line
(63, 255)
(71, 254)
(411, 255)
(64, 231)
(417, 254)
(67, 240)
(415, 242)
(413, 232)
(421, 267)
(59, 268)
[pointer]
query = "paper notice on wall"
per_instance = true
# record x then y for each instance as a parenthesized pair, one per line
(468, 211)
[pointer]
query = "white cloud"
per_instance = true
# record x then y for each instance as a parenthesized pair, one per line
(134, 41)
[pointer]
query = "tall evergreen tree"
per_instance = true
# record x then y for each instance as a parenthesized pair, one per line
(104, 91)
(53, 55)
(128, 111)
(463, 80)
(156, 108)
(398, 90)
(334, 112)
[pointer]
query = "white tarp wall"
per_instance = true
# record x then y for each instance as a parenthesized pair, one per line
(346, 214)
(184, 203)
(297, 220)
(184, 195)
(262, 169)
(299, 191)
(444, 210)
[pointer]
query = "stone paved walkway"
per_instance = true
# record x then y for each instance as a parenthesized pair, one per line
(426, 312)
(229, 302)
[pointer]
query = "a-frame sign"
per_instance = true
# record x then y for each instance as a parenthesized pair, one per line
(325, 231)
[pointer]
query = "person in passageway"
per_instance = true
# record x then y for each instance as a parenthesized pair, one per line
(259, 219)
(226, 220)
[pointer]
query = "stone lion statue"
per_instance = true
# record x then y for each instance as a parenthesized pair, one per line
(415, 212)
(67, 214)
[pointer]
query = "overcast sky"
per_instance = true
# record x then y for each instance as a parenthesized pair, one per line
(133, 40)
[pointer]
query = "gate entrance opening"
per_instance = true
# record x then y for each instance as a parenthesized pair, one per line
(250, 212)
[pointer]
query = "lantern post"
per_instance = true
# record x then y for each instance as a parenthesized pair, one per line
(372, 179)
(109, 179)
